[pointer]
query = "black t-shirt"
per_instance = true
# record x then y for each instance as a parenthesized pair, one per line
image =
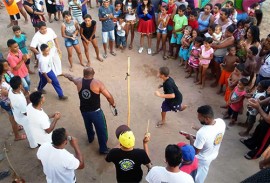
(170, 87)
(87, 31)
(128, 164)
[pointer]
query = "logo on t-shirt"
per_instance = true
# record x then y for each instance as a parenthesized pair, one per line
(126, 164)
(50, 44)
(86, 94)
(218, 139)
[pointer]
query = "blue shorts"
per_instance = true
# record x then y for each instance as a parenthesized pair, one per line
(59, 8)
(6, 107)
(183, 53)
(121, 40)
(219, 59)
(70, 42)
(166, 106)
(176, 40)
(106, 35)
(162, 31)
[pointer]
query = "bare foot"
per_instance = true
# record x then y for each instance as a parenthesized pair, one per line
(70, 69)
(195, 81)
(183, 107)
(159, 124)
(21, 137)
(82, 64)
(100, 59)
(88, 64)
(188, 76)
(201, 87)
(198, 83)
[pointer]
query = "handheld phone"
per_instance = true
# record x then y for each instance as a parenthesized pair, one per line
(186, 134)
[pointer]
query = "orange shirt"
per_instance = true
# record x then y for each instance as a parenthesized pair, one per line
(13, 8)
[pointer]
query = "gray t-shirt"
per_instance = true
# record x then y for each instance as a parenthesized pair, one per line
(108, 24)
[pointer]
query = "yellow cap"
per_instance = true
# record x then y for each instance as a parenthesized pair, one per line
(127, 139)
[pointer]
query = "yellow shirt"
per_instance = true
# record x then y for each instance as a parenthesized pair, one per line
(13, 8)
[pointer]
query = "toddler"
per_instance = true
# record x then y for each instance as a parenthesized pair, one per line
(185, 43)
(217, 34)
(240, 32)
(121, 33)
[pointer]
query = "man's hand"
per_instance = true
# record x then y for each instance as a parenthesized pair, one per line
(157, 93)
(49, 80)
(73, 142)
(188, 137)
(254, 103)
(57, 115)
(160, 86)
(146, 138)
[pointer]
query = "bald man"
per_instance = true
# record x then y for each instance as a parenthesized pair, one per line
(89, 90)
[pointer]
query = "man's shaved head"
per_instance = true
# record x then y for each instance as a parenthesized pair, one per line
(88, 71)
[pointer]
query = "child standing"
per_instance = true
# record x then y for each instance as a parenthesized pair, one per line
(194, 61)
(75, 6)
(146, 25)
(130, 9)
(192, 20)
(179, 23)
(40, 7)
(13, 11)
(163, 19)
(217, 34)
(46, 73)
(205, 57)
(259, 94)
(240, 32)
(250, 63)
(59, 8)
(227, 67)
(21, 40)
(121, 33)
(236, 101)
(185, 43)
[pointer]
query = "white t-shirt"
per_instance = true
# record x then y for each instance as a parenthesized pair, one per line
(208, 140)
(18, 106)
(58, 164)
(159, 174)
(39, 121)
(44, 64)
(47, 38)
(120, 31)
(265, 68)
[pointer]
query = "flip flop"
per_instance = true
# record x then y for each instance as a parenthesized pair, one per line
(113, 53)
(159, 124)
(56, 19)
(130, 47)
(104, 55)
(20, 127)
(100, 59)
(22, 137)
(165, 57)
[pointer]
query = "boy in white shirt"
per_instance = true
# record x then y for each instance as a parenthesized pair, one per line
(121, 33)
(46, 73)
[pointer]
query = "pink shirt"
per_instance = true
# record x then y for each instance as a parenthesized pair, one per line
(236, 95)
(206, 54)
(13, 61)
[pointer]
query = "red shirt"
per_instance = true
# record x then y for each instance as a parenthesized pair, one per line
(194, 24)
(169, 12)
(13, 61)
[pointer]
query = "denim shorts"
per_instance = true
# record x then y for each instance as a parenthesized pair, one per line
(6, 107)
(121, 40)
(70, 42)
(219, 59)
(162, 31)
(59, 8)
(183, 53)
(176, 39)
(106, 35)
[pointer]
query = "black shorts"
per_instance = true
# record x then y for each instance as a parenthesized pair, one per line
(15, 17)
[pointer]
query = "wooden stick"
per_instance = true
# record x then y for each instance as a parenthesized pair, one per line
(147, 129)
(128, 92)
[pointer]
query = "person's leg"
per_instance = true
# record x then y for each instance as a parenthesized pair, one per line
(149, 40)
(104, 40)
(217, 73)
(21, 9)
(128, 27)
(202, 171)
(86, 52)
(164, 38)
(95, 45)
(132, 30)
(200, 78)
(100, 124)
(42, 82)
(79, 53)
(142, 40)
(50, 17)
(164, 108)
(28, 81)
(88, 126)
(69, 50)
(55, 83)
(111, 41)
(158, 41)
(196, 70)
(251, 119)
(204, 69)
(25, 85)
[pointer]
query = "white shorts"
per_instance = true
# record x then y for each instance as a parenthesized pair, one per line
(78, 19)
(106, 35)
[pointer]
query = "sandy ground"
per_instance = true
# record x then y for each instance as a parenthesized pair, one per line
(230, 166)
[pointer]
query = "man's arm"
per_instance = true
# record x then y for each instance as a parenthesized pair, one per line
(78, 154)
(106, 94)
(52, 126)
(71, 78)
(157, 93)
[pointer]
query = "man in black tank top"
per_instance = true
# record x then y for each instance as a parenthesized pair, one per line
(89, 90)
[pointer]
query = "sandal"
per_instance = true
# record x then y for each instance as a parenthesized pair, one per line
(248, 157)
(104, 55)
(20, 127)
(165, 57)
(100, 59)
(56, 19)
(22, 137)
(113, 53)
(51, 21)
(159, 124)
(130, 47)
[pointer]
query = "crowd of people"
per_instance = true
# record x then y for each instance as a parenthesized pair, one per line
(212, 42)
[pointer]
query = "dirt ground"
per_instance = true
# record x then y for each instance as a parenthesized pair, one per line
(230, 166)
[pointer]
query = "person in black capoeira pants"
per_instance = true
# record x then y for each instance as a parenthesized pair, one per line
(89, 90)
(173, 97)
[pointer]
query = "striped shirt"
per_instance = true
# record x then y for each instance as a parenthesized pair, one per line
(75, 10)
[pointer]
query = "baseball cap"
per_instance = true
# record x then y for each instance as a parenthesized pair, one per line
(121, 129)
(188, 152)
(127, 139)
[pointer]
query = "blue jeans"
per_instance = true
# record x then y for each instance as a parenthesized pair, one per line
(98, 119)
(55, 83)
(121, 40)
(26, 83)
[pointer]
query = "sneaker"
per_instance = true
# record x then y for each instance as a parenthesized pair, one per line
(63, 98)
(105, 152)
(149, 51)
(141, 49)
